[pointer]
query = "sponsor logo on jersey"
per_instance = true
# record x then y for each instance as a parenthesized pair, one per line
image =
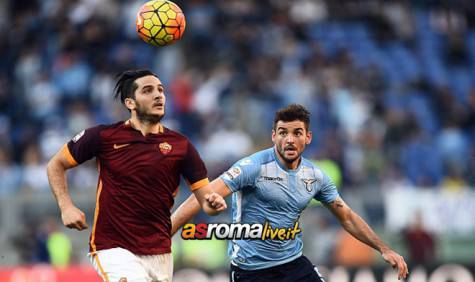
(165, 148)
(79, 135)
(117, 146)
(269, 178)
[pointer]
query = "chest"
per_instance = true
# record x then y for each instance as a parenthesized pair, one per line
(142, 157)
(286, 190)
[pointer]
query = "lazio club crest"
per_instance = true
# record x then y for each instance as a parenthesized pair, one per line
(308, 183)
(165, 148)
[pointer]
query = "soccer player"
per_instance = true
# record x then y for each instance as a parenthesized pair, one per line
(275, 186)
(139, 162)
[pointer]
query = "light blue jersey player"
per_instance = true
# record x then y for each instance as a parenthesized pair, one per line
(273, 187)
(264, 190)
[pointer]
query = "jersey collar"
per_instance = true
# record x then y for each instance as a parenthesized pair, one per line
(128, 124)
(282, 166)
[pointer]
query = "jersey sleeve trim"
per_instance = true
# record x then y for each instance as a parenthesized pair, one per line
(331, 199)
(199, 184)
(67, 154)
(231, 185)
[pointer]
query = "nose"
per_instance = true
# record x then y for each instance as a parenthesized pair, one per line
(289, 139)
(159, 95)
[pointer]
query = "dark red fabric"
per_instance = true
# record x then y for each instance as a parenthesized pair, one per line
(421, 246)
(136, 184)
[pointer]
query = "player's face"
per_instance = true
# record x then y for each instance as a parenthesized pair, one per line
(149, 102)
(290, 139)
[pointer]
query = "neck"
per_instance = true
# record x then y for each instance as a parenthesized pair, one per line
(145, 126)
(288, 165)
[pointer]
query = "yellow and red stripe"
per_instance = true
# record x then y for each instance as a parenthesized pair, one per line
(67, 154)
(198, 184)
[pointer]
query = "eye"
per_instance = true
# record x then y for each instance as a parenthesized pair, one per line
(282, 133)
(299, 133)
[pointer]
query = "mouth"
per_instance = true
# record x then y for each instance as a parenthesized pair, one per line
(158, 105)
(290, 149)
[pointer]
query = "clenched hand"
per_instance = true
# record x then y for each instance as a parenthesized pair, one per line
(74, 218)
(216, 202)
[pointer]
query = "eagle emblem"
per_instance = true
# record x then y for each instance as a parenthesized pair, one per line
(308, 183)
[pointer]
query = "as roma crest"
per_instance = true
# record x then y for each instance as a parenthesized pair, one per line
(165, 148)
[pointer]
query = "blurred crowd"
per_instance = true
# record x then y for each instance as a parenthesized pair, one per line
(390, 84)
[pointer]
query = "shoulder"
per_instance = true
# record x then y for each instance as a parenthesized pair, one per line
(251, 165)
(174, 133)
(244, 171)
(95, 131)
(316, 171)
(110, 128)
(117, 125)
(177, 140)
(254, 162)
(259, 158)
(177, 136)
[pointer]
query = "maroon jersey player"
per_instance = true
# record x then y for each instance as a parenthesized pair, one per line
(140, 163)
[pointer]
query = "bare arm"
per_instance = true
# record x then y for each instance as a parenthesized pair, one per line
(71, 216)
(190, 207)
(357, 227)
(212, 203)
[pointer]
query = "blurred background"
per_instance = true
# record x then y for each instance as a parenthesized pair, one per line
(391, 88)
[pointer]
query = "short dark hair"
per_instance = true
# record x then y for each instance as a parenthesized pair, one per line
(126, 86)
(291, 113)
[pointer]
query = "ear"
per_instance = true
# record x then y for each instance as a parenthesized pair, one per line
(273, 136)
(129, 103)
(308, 138)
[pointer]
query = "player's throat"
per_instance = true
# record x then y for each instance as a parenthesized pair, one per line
(145, 126)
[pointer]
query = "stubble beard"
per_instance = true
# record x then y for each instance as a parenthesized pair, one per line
(281, 152)
(145, 117)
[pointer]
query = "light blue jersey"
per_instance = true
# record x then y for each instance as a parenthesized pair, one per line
(265, 191)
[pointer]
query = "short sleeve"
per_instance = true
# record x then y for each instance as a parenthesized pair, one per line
(84, 146)
(193, 168)
(241, 174)
(328, 191)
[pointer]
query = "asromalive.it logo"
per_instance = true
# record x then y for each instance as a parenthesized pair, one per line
(238, 231)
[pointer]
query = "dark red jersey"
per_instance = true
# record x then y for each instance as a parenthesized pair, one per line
(138, 176)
